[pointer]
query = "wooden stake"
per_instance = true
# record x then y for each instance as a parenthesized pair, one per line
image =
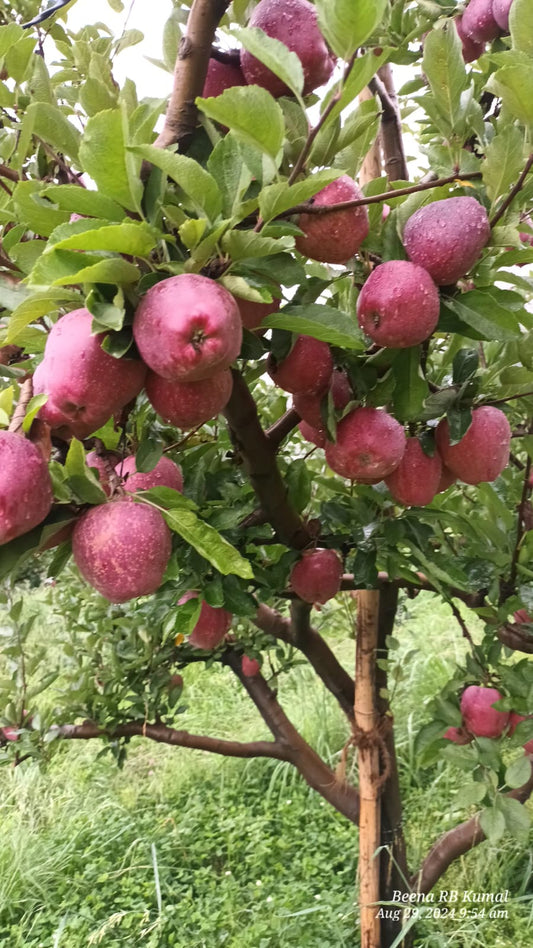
(366, 721)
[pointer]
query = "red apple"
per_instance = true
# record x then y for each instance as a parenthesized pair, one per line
(316, 436)
(221, 76)
(25, 486)
(84, 384)
(316, 577)
(478, 21)
(471, 49)
(458, 735)
(252, 313)
(189, 404)
(416, 479)
(447, 478)
(500, 12)
(212, 624)
(307, 367)
(399, 305)
(308, 405)
(122, 549)
(483, 452)
(250, 666)
(370, 444)
(293, 22)
(187, 328)
(522, 617)
(166, 473)
(336, 236)
(447, 237)
(479, 717)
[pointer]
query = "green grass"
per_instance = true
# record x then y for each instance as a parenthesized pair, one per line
(185, 849)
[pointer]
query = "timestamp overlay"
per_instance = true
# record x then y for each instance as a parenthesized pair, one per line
(459, 904)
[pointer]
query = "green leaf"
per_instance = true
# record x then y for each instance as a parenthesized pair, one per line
(364, 68)
(136, 238)
(521, 25)
(517, 818)
(346, 25)
(514, 85)
(277, 198)
(148, 454)
(492, 822)
(519, 772)
(275, 55)
(299, 484)
(503, 161)
(321, 322)
(232, 175)
(41, 303)
(106, 315)
(480, 311)
(33, 407)
(81, 478)
(76, 200)
(50, 124)
(64, 267)
(252, 114)
(444, 68)
(208, 542)
(246, 244)
(38, 213)
(104, 156)
(411, 388)
(194, 180)
(465, 365)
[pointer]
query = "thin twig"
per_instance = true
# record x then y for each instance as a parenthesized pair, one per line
(513, 192)
(520, 524)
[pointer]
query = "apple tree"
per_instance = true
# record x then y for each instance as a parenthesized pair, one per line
(246, 363)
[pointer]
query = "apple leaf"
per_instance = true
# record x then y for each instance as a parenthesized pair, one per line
(65, 267)
(492, 822)
(81, 478)
(245, 244)
(480, 311)
(519, 772)
(503, 161)
(76, 200)
(275, 55)
(208, 543)
(521, 25)
(517, 818)
(251, 113)
(361, 73)
(42, 303)
(514, 85)
(227, 167)
(104, 156)
(277, 198)
(38, 213)
(195, 181)
(346, 25)
(411, 388)
(321, 322)
(49, 122)
(148, 453)
(136, 238)
(444, 67)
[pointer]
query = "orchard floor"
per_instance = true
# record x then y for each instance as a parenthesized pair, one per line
(184, 849)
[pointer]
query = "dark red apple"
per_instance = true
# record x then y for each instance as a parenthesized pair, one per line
(187, 328)
(250, 666)
(293, 22)
(316, 577)
(122, 549)
(522, 617)
(500, 12)
(211, 626)
(166, 473)
(478, 21)
(308, 405)
(221, 76)
(307, 368)
(189, 404)
(447, 478)
(447, 237)
(399, 305)
(316, 436)
(370, 444)
(252, 313)
(483, 452)
(471, 49)
(25, 487)
(103, 468)
(335, 236)
(479, 717)
(416, 479)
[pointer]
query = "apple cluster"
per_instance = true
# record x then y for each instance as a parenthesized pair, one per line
(481, 719)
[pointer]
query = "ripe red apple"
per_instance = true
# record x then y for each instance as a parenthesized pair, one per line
(336, 236)
(122, 549)
(25, 487)
(458, 735)
(187, 328)
(483, 452)
(479, 717)
(515, 719)
(316, 436)
(471, 49)
(479, 22)
(399, 305)
(166, 473)
(370, 444)
(307, 367)
(500, 12)
(293, 22)
(447, 237)
(316, 577)
(416, 479)
(211, 626)
(221, 76)
(447, 478)
(250, 666)
(84, 384)
(252, 313)
(189, 404)
(308, 405)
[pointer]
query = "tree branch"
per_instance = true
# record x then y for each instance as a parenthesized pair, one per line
(169, 735)
(299, 753)
(190, 73)
(456, 842)
(391, 125)
(258, 454)
(311, 644)
(513, 192)
(514, 636)
(282, 427)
